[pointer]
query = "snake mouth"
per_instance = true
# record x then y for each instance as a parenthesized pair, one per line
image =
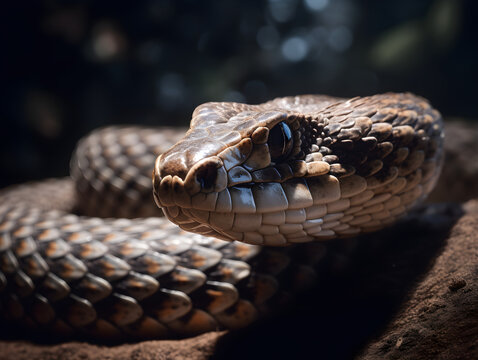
(278, 209)
(247, 185)
(262, 213)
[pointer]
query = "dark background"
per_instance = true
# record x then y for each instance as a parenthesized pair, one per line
(68, 67)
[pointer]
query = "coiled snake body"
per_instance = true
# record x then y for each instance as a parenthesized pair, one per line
(292, 170)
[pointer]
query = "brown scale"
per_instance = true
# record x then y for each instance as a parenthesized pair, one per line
(93, 288)
(215, 297)
(34, 266)
(348, 141)
(152, 263)
(116, 190)
(167, 305)
(76, 311)
(138, 286)
(69, 268)
(53, 288)
(183, 279)
(22, 284)
(145, 328)
(194, 323)
(200, 258)
(230, 271)
(109, 267)
(273, 262)
(54, 249)
(238, 316)
(310, 130)
(341, 170)
(41, 310)
(259, 288)
(373, 164)
(119, 309)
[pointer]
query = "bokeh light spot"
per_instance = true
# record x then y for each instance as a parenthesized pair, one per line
(107, 42)
(171, 91)
(340, 38)
(282, 10)
(316, 5)
(294, 49)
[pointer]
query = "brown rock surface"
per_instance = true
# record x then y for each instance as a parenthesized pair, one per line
(363, 285)
(198, 348)
(408, 292)
(440, 319)
(458, 181)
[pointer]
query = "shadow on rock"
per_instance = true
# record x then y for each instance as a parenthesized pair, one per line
(362, 282)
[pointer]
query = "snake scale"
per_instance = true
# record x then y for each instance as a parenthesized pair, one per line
(93, 256)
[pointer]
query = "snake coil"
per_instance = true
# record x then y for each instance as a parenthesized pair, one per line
(292, 170)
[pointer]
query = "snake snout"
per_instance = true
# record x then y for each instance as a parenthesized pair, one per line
(174, 188)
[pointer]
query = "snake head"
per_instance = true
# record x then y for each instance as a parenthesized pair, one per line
(296, 169)
(229, 173)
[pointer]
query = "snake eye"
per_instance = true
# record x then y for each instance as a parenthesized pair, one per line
(280, 141)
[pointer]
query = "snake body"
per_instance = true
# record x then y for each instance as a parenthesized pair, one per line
(292, 170)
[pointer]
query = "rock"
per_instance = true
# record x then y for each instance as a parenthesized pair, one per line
(458, 181)
(440, 319)
(364, 285)
(197, 348)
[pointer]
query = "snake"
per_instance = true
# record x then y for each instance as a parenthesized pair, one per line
(249, 194)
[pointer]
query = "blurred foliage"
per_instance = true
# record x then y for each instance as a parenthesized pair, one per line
(69, 67)
(411, 44)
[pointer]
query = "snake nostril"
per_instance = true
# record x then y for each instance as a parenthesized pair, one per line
(206, 176)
